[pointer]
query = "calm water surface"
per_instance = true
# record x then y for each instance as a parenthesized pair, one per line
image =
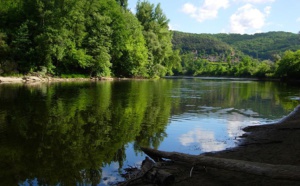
(85, 133)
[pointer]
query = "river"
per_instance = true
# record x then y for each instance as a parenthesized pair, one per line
(85, 133)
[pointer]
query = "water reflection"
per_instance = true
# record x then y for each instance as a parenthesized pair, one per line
(204, 139)
(68, 133)
(65, 133)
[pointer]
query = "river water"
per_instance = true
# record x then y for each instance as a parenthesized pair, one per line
(85, 133)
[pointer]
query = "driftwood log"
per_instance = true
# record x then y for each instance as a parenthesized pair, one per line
(153, 174)
(150, 172)
(288, 172)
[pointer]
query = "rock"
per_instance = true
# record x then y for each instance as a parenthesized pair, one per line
(106, 78)
(32, 78)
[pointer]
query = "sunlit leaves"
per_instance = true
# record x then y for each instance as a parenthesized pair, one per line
(99, 38)
(128, 52)
(158, 39)
(289, 65)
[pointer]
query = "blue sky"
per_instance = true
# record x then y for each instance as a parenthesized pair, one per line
(230, 16)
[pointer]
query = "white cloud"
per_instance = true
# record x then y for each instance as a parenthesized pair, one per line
(248, 19)
(256, 1)
(209, 9)
(189, 8)
(267, 10)
(298, 20)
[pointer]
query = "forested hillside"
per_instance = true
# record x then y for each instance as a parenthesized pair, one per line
(262, 46)
(204, 46)
(204, 43)
(89, 37)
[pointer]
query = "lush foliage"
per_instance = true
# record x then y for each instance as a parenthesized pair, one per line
(202, 43)
(263, 46)
(103, 38)
(162, 59)
(246, 67)
(259, 55)
(289, 65)
(99, 38)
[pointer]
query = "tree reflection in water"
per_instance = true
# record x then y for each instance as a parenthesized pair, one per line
(64, 133)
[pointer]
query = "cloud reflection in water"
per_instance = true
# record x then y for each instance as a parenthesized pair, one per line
(205, 139)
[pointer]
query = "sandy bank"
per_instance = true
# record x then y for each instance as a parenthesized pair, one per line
(35, 79)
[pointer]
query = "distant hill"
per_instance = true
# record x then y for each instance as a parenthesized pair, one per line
(201, 42)
(263, 46)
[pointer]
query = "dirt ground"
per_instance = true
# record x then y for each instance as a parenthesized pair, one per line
(277, 143)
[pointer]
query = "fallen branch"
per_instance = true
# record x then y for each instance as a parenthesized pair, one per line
(288, 172)
(151, 173)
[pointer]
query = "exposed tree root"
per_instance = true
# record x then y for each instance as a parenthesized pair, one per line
(288, 172)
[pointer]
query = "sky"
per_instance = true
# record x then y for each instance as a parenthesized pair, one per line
(230, 16)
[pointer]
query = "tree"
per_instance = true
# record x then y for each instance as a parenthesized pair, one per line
(3, 47)
(289, 66)
(129, 53)
(158, 38)
(133, 59)
(123, 3)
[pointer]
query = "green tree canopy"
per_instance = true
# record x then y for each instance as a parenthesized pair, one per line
(289, 65)
(158, 39)
(99, 38)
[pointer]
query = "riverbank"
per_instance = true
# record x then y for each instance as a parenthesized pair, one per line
(277, 144)
(48, 79)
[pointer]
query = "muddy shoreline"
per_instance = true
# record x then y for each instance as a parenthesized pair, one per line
(277, 143)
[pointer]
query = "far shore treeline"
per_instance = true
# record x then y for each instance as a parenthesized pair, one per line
(104, 38)
(261, 55)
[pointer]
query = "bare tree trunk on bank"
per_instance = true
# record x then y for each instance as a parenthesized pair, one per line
(288, 172)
